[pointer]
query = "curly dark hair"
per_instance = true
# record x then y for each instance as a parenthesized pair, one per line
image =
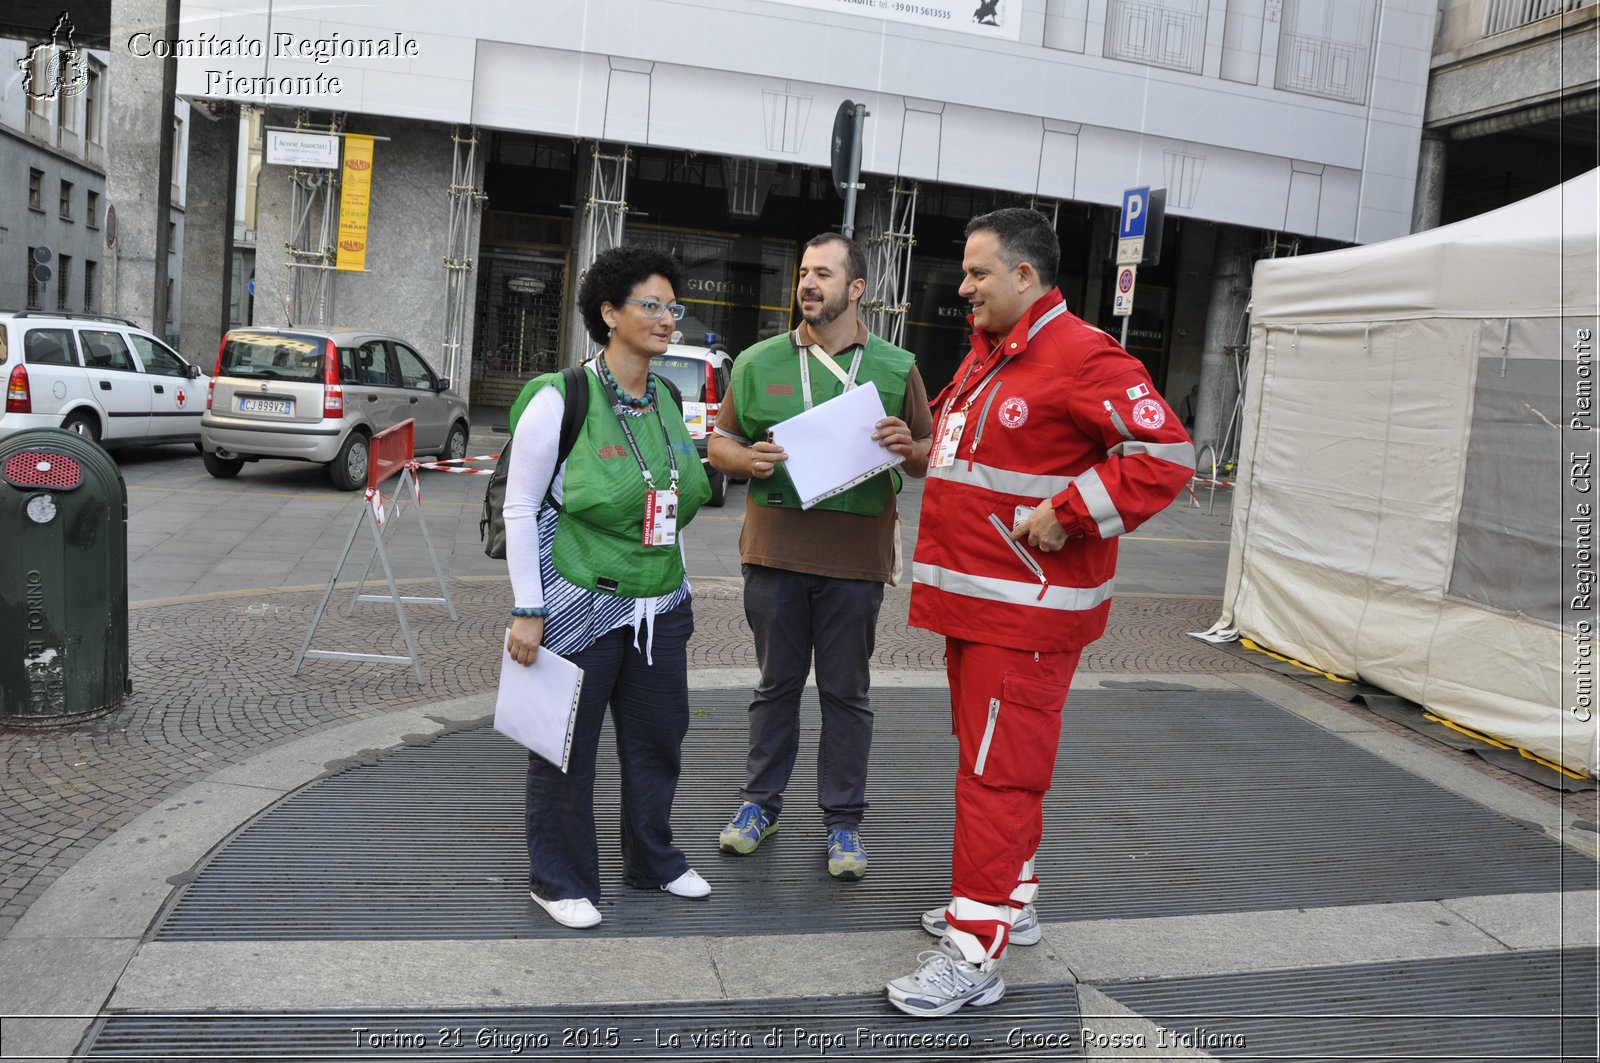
(611, 278)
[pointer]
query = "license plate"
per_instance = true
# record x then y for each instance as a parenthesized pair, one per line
(266, 406)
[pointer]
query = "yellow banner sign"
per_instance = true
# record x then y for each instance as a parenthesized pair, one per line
(355, 197)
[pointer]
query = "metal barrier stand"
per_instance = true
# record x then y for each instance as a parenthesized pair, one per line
(407, 473)
(391, 452)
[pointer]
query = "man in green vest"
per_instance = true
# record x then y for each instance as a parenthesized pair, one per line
(814, 578)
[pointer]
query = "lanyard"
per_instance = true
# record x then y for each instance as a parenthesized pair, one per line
(633, 444)
(1045, 319)
(805, 370)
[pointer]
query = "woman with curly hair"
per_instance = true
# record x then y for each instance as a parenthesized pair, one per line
(598, 573)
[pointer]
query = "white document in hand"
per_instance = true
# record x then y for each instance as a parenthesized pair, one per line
(830, 447)
(538, 703)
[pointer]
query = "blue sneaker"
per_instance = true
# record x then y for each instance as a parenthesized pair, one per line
(748, 828)
(847, 857)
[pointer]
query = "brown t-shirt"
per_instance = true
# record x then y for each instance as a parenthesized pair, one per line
(825, 542)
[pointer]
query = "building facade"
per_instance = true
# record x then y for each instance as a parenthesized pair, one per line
(58, 239)
(522, 136)
(52, 180)
(1513, 104)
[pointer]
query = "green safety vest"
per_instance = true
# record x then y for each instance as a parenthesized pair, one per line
(598, 533)
(766, 390)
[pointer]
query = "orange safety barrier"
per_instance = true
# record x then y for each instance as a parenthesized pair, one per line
(390, 451)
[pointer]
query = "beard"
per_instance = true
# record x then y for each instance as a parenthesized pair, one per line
(830, 311)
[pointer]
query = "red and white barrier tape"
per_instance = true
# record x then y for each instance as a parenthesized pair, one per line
(375, 498)
(448, 465)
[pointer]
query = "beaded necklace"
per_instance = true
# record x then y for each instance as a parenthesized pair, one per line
(616, 389)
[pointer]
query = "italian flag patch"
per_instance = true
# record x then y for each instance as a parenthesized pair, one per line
(1138, 391)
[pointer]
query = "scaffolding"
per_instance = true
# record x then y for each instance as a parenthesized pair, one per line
(604, 210)
(313, 235)
(466, 202)
(1050, 208)
(889, 258)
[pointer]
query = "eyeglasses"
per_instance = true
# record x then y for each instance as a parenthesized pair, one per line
(653, 307)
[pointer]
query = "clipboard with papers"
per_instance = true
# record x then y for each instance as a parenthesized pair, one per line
(538, 704)
(830, 446)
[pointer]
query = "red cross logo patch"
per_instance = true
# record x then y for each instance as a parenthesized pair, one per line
(1149, 414)
(1013, 412)
(182, 398)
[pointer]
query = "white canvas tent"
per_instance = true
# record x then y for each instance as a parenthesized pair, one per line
(1406, 504)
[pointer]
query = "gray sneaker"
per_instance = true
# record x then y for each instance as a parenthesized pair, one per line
(1025, 931)
(943, 982)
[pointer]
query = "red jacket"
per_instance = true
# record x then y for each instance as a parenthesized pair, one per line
(1067, 415)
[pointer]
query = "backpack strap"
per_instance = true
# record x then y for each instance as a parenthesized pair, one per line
(574, 410)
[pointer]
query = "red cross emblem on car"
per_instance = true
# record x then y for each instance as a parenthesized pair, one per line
(182, 398)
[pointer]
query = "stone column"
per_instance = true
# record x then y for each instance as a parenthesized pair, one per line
(1429, 200)
(208, 230)
(139, 160)
(1230, 292)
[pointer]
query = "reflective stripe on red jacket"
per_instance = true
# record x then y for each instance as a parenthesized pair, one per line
(1056, 409)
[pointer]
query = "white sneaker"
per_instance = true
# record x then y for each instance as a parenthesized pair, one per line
(689, 884)
(577, 912)
(944, 982)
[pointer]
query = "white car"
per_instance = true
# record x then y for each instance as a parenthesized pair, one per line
(100, 377)
(701, 375)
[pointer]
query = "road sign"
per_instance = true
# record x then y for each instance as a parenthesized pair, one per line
(1134, 203)
(846, 127)
(316, 150)
(1122, 306)
(1130, 252)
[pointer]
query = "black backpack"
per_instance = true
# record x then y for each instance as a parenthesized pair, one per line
(492, 525)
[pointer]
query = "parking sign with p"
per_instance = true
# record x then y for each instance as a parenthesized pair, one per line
(1134, 201)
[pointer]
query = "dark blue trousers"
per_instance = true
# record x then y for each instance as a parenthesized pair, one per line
(649, 706)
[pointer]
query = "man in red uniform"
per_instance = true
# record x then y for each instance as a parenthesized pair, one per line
(1050, 442)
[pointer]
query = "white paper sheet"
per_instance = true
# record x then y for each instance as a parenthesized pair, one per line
(538, 703)
(830, 447)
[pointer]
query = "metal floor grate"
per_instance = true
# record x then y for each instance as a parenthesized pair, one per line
(1521, 1005)
(1032, 1022)
(1167, 802)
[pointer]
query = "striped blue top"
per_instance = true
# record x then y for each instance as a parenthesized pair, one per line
(578, 616)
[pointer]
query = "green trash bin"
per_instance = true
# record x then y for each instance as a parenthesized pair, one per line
(64, 588)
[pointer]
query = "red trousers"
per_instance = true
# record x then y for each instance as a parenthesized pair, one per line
(1006, 710)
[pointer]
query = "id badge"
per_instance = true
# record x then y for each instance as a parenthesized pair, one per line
(660, 518)
(950, 439)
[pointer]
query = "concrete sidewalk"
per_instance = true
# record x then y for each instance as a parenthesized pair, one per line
(244, 864)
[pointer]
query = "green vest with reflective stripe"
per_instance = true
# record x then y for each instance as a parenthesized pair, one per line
(766, 390)
(598, 534)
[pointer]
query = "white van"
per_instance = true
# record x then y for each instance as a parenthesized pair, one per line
(101, 377)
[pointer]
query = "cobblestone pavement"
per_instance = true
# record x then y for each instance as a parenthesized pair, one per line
(67, 788)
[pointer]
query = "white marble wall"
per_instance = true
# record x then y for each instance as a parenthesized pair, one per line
(1050, 113)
